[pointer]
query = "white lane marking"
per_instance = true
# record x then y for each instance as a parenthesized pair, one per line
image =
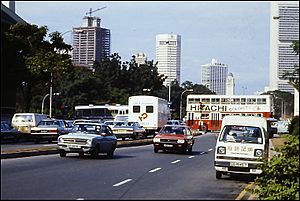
(80, 199)
(175, 161)
(191, 156)
(154, 170)
(122, 182)
(202, 152)
(210, 150)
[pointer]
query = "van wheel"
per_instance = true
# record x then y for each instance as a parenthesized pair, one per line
(218, 175)
(95, 152)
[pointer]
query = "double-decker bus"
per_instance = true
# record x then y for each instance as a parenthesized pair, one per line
(100, 112)
(205, 112)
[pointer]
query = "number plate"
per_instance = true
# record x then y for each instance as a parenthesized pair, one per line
(44, 131)
(238, 164)
(74, 146)
(168, 145)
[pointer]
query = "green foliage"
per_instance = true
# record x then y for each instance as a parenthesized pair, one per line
(280, 178)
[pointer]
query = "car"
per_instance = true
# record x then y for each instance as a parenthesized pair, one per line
(131, 129)
(49, 129)
(174, 138)
(283, 127)
(9, 133)
(112, 123)
(88, 138)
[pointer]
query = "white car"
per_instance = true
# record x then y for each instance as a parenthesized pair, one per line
(88, 138)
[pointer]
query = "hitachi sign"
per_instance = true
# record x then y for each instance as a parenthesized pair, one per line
(208, 108)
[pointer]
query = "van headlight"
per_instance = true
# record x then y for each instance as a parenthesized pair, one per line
(221, 150)
(180, 141)
(258, 152)
(156, 140)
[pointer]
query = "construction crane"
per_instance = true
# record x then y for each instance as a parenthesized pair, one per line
(94, 11)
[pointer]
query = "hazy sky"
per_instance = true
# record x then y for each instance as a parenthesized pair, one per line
(234, 33)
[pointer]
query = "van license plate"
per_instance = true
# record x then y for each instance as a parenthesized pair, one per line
(238, 164)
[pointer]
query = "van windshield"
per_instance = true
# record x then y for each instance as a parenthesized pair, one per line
(241, 134)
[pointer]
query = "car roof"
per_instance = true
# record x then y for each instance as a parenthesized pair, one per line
(170, 125)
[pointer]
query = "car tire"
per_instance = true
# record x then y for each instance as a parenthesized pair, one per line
(218, 175)
(62, 153)
(81, 154)
(190, 150)
(110, 154)
(95, 152)
(155, 150)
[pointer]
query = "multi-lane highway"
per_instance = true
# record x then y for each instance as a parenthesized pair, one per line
(134, 173)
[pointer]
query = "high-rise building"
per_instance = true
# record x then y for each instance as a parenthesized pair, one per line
(140, 58)
(90, 42)
(284, 29)
(168, 56)
(230, 84)
(214, 76)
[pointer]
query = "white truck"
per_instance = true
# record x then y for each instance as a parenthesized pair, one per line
(151, 112)
(242, 141)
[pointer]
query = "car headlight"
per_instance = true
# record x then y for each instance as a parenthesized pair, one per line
(221, 150)
(180, 141)
(258, 152)
(89, 141)
(60, 139)
(156, 140)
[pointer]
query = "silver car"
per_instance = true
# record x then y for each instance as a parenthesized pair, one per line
(88, 138)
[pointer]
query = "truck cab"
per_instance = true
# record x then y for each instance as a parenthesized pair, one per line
(241, 144)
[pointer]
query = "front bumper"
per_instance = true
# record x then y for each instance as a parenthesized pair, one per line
(75, 148)
(173, 146)
(238, 167)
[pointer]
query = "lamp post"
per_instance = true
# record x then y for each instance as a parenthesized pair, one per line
(180, 112)
(55, 94)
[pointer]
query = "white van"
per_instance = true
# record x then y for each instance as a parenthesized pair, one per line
(25, 121)
(242, 141)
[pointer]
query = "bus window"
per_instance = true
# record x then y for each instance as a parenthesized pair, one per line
(136, 109)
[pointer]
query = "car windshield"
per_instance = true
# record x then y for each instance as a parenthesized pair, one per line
(48, 123)
(87, 129)
(172, 130)
(245, 134)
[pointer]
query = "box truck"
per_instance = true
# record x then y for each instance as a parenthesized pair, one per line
(151, 112)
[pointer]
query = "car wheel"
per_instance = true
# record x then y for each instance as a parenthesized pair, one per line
(81, 154)
(190, 150)
(62, 153)
(95, 152)
(110, 154)
(218, 175)
(155, 150)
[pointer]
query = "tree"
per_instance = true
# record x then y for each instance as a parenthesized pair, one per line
(36, 60)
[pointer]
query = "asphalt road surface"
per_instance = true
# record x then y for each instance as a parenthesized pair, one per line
(133, 173)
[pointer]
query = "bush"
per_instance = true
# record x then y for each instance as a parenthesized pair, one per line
(294, 126)
(280, 177)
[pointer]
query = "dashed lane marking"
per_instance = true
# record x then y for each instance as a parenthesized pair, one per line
(154, 170)
(122, 182)
(173, 162)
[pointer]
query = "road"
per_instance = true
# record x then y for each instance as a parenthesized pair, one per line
(134, 173)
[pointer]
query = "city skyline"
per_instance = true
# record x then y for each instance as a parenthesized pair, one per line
(236, 33)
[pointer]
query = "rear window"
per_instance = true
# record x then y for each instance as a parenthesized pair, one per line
(23, 118)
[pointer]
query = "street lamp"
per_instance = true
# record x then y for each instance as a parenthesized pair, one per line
(181, 102)
(55, 94)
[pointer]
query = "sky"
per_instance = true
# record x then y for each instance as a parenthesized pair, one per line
(234, 33)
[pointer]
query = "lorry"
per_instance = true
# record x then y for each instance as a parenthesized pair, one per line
(151, 112)
(241, 145)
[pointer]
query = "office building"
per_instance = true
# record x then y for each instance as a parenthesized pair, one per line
(168, 56)
(90, 42)
(140, 58)
(230, 84)
(284, 29)
(214, 76)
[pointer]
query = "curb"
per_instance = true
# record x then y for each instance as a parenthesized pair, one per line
(54, 149)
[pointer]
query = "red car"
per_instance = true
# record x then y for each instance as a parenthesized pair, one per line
(174, 137)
